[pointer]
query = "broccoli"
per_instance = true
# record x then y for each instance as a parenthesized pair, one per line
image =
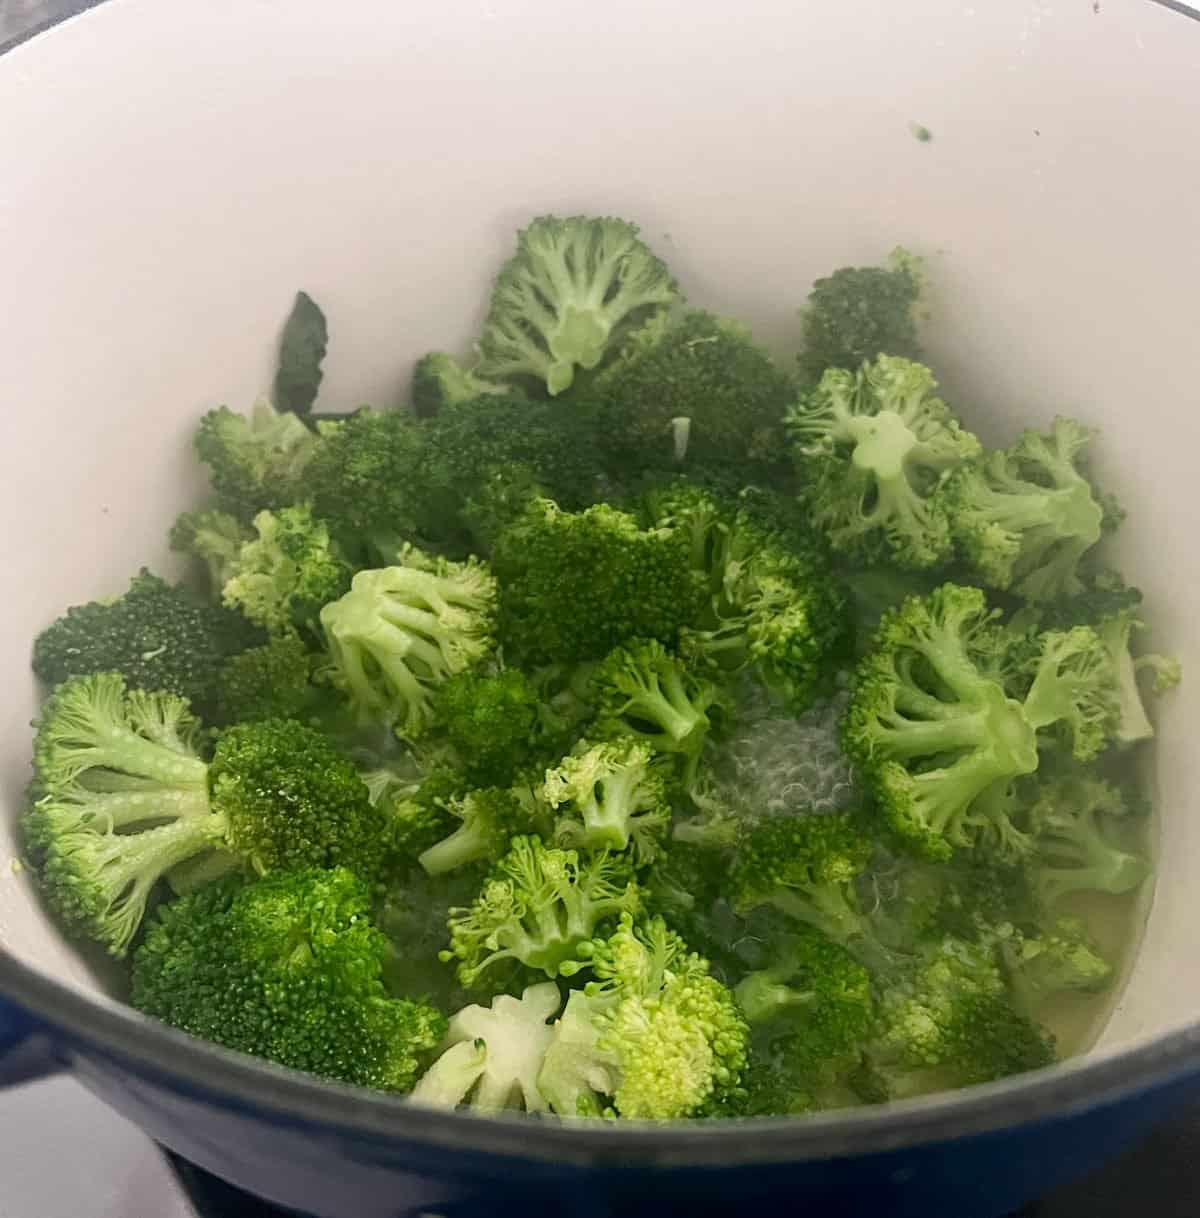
(154, 635)
(419, 814)
(574, 288)
(123, 796)
(1061, 959)
(1072, 820)
(872, 447)
(287, 968)
(282, 578)
(488, 819)
(271, 681)
(439, 382)
(257, 462)
(859, 313)
(575, 585)
(213, 538)
(772, 604)
(941, 738)
(1024, 517)
(653, 1037)
(491, 1056)
(701, 371)
(610, 795)
(872, 591)
(538, 906)
(403, 630)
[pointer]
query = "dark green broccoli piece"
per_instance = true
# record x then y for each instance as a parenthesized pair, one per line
(574, 288)
(693, 391)
(123, 797)
(288, 968)
(212, 537)
(302, 347)
(487, 821)
(402, 631)
(256, 462)
(271, 681)
(154, 635)
(872, 448)
(440, 382)
(859, 313)
(575, 585)
(1024, 517)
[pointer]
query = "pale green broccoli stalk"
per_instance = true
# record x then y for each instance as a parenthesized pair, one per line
(1024, 517)
(283, 577)
(1062, 959)
(214, 538)
(564, 301)
(654, 1037)
(439, 382)
(872, 447)
(488, 819)
(401, 631)
(491, 1056)
(610, 796)
(1074, 691)
(1075, 850)
(538, 906)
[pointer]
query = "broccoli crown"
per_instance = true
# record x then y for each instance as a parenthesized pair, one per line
(154, 635)
(494, 722)
(440, 382)
(287, 968)
(1062, 958)
(873, 446)
(939, 739)
(488, 819)
(575, 585)
(859, 313)
(1024, 517)
(567, 297)
(401, 631)
(1074, 819)
(773, 604)
(610, 796)
(271, 681)
(491, 1056)
(214, 538)
(702, 369)
(256, 462)
(283, 577)
(806, 867)
(538, 905)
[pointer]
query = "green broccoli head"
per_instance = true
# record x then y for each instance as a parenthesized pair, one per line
(1062, 959)
(271, 681)
(404, 630)
(859, 313)
(283, 577)
(1074, 691)
(488, 819)
(873, 446)
(538, 905)
(154, 635)
(701, 371)
(610, 796)
(575, 585)
(287, 968)
(567, 297)
(213, 538)
(255, 462)
(440, 382)
(1024, 517)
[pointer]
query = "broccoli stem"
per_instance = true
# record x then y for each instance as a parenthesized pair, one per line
(467, 844)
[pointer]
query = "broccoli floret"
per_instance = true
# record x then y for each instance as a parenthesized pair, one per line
(701, 372)
(538, 906)
(1062, 959)
(773, 605)
(654, 1037)
(403, 630)
(491, 1056)
(873, 446)
(212, 537)
(271, 681)
(941, 738)
(610, 796)
(488, 819)
(1024, 517)
(575, 585)
(1075, 849)
(567, 297)
(418, 813)
(123, 797)
(257, 462)
(287, 968)
(283, 577)
(859, 313)
(154, 635)
(439, 381)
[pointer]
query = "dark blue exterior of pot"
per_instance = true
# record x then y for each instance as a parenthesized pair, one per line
(336, 1153)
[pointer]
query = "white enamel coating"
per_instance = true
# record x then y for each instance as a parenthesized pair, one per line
(170, 174)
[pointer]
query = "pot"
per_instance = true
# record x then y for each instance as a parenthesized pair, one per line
(174, 173)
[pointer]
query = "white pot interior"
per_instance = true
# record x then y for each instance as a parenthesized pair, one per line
(173, 173)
